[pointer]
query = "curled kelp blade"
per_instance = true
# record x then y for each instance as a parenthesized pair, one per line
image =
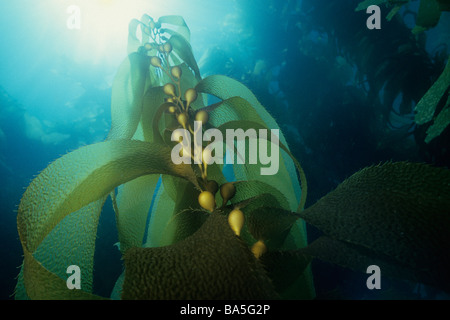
(225, 88)
(85, 175)
(175, 25)
(213, 263)
(183, 49)
(127, 94)
(246, 125)
(399, 211)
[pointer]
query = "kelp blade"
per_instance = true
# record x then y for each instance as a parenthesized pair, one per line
(397, 212)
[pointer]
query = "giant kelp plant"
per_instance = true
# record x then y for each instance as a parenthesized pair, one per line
(214, 231)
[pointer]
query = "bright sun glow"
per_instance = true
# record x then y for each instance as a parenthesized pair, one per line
(104, 26)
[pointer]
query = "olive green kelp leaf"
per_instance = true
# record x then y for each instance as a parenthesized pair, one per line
(213, 263)
(126, 98)
(66, 186)
(246, 125)
(225, 88)
(85, 175)
(426, 108)
(398, 213)
(184, 51)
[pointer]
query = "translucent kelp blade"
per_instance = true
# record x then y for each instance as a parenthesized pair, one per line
(428, 15)
(133, 204)
(176, 24)
(161, 213)
(188, 80)
(126, 99)
(245, 125)
(441, 122)
(224, 88)
(152, 100)
(133, 42)
(283, 180)
(71, 242)
(186, 197)
(86, 175)
(183, 49)
(42, 284)
(427, 105)
(395, 210)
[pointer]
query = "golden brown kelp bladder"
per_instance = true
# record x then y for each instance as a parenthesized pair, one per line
(395, 215)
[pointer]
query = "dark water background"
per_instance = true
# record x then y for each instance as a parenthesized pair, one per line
(302, 59)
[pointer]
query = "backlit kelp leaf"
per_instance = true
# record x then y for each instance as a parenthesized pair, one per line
(161, 213)
(176, 24)
(426, 108)
(395, 210)
(153, 98)
(441, 122)
(183, 49)
(133, 42)
(42, 284)
(186, 197)
(428, 15)
(71, 242)
(427, 105)
(211, 264)
(133, 204)
(225, 88)
(393, 12)
(86, 175)
(245, 125)
(126, 98)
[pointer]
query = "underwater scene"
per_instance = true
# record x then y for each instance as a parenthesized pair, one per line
(225, 150)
